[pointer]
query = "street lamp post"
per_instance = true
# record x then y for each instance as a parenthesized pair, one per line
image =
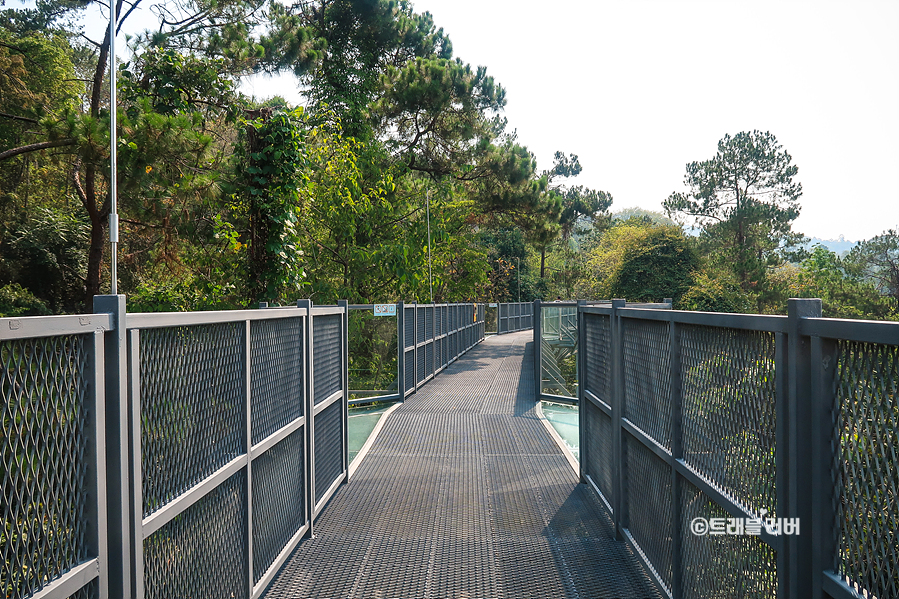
(519, 279)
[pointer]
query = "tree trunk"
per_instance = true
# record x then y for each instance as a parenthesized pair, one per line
(94, 258)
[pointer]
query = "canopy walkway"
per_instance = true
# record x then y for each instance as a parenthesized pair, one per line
(464, 493)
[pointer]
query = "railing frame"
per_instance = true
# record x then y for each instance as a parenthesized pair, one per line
(805, 358)
(451, 331)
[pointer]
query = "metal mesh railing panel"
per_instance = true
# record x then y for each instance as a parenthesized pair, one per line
(429, 322)
(646, 378)
(420, 364)
(866, 467)
(429, 358)
(43, 442)
(722, 566)
(327, 363)
(598, 463)
(192, 406)
(203, 551)
(409, 325)
(276, 383)
(328, 448)
(420, 326)
(409, 373)
(598, 338)
(649, 509)
(729, 399)
(278, 499)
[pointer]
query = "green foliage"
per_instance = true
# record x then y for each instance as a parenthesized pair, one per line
(269, 195)
(44, 254)
(643, 262)
(877, 262)
(745, 200)
(841, 288)
(15, 300)
(717, 291)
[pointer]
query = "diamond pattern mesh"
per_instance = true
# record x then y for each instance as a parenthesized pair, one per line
(278, 499)
(599, 359)
(328, 447)
(277, 374)
(723, 566)
(42, 443)
(420, 365)
(89, 591)
(866, 467)
(409, 373)
(729, 397)
(201, 552)
(649, 509)
(599, 457)
(409, 325)
(328, 366)
(420, 325)
(646, 370)
(192, 406)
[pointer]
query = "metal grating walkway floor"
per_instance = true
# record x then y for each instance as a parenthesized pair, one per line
(465, 494)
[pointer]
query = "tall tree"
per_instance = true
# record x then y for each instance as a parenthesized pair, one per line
(745, 200)
(877, 259)
(80, 134)
(563, 207)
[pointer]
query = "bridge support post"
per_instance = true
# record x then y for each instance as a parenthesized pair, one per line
(619, 473)
(677, 453)
(801, 438)
(309, 411)
(119, 531)
(538, 342)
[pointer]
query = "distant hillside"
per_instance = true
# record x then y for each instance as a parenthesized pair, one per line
(837, 246)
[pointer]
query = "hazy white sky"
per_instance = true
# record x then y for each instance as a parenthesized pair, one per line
(639, 88)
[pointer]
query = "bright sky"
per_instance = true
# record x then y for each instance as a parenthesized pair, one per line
(639, 88)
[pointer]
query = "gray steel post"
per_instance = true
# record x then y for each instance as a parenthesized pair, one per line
(677, 453)
(309, 410)
(619, 473)
(581, 387)
(579, 348)
(118, 444)
(800, 445)
(538, 341)
(248, 444)
(136, 465)
(824, 545)
(401, 350)
(95, 460)
(782, 457)
(345, 379)
(415, 340)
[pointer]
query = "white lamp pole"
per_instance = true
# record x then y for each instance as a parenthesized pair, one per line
(428, 209)
(113, 209)
(519, 279)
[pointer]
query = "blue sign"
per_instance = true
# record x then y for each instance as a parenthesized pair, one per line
(385, 309)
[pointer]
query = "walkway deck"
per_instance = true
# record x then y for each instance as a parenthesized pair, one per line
(465, 494)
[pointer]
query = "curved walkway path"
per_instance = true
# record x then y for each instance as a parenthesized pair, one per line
(465, 494)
